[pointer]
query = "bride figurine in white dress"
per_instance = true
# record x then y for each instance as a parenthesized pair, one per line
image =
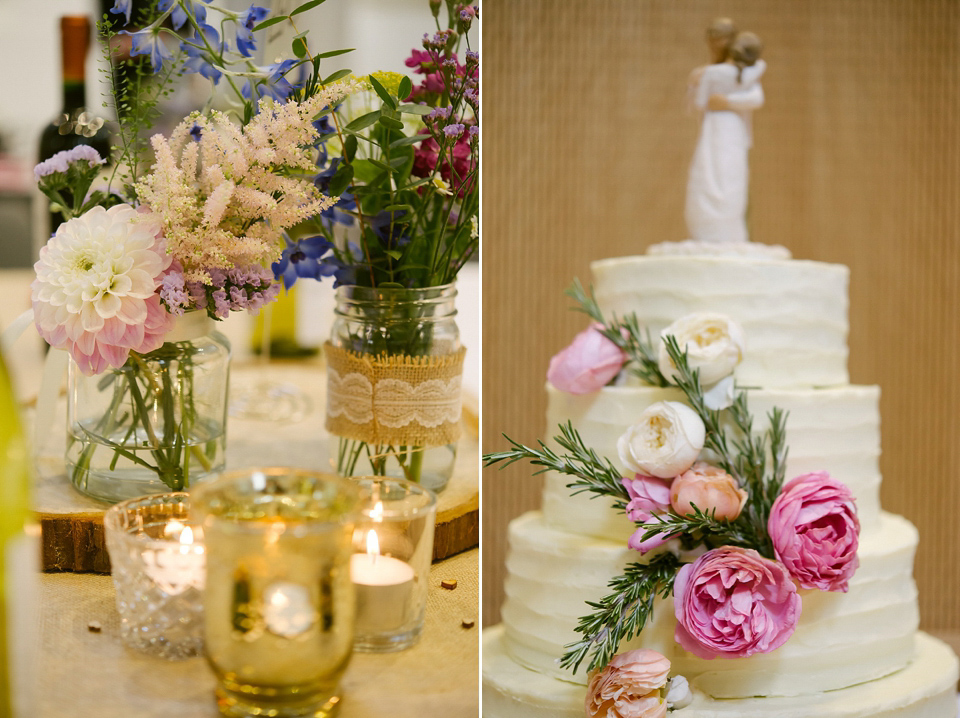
(726, 93)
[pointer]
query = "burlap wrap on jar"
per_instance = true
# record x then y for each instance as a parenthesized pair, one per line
(394, 400)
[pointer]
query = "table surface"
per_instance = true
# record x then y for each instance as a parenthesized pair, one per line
(83, 673)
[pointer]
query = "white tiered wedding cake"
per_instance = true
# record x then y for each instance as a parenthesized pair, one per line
(854, 653)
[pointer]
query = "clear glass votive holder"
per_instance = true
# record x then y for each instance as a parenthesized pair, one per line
(158, 565)
(390, 567)
(279, 604)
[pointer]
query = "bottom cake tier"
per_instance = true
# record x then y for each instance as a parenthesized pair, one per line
(926, 688)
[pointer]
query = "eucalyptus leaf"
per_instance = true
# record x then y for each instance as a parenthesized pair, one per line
(350, 147)
(382, 92)
(341, 180)
(395, 254)
(364, 120)
(390, 285)
(409, 109)
(299, 46)
(306, 6)
(270, 22)
(406, 87)
(332, 53)
(407, 141)
(365, 170)
(398, 208)
(338, 75)
(390, 123)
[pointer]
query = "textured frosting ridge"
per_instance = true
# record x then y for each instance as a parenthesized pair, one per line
(793, 313)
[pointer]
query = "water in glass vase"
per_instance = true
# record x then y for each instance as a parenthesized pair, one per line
(156, 424)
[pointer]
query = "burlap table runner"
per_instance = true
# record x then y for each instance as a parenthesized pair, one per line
(394, 400)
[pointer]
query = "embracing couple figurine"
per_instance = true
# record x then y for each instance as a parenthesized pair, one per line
(726, 92)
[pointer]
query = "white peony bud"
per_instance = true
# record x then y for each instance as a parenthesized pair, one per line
(678, 693)
(713, 342)
(664, 443)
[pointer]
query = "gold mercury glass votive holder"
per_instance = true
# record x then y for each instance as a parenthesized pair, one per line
(279, 604)
(390, 567)
(158, 565)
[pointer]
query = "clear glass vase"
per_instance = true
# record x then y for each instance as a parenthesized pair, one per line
(394, 365)
(156, 424)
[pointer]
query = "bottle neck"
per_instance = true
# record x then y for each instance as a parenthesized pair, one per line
(74, 95)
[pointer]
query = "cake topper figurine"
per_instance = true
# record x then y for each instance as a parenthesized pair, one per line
(725, 92)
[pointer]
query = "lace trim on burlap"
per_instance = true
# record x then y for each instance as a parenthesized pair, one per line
(394, 400)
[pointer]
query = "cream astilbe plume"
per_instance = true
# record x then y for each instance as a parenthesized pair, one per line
(224, 193)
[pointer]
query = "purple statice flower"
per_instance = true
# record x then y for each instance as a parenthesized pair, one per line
(439, 113)
(173, 292)
(304, 258)
(246, 43)
(123, 7)
(453, 131)
(438, 41)
(199, 58)
(473, 57)
(450, 63)
(61, 161)
(221, 305)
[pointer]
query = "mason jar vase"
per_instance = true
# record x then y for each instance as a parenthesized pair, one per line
(394, 365)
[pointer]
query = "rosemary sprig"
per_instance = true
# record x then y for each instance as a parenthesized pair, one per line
(622, 614)
(625, 333)
(592, 474)
(704, 528)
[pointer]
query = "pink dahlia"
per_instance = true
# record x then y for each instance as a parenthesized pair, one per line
(95, 294)
(816, 532)
(732, 602)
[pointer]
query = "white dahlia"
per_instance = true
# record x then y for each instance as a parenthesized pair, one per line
(95, 292)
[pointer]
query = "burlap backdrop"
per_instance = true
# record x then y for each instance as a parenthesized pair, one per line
(856, 160)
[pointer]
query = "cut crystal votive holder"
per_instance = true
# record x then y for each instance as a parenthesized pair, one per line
(158, 566)
(390, 567)
(279, 604)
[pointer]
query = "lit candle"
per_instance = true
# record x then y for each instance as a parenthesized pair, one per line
(178, 563)
(384, 589)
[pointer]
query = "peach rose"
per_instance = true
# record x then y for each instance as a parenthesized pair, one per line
(629, 687)
(710, 489)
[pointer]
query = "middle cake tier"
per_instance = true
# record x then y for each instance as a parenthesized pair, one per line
(835, 429)
(842, 639)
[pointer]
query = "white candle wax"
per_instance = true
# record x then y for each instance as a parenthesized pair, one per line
(384, 592)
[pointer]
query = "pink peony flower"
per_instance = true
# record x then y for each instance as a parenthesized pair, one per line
(712, 490)
(732, 602)
(95, 291)
(629, 687)
(588, 364)
(649, 497)
(816, 532)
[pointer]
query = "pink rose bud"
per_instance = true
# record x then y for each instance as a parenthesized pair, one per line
(709, 489)
(588, 364)
(649, 497)
(815, 531)
(732, 602)
(629, 687)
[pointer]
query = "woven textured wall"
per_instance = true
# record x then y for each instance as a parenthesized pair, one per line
(856, 160)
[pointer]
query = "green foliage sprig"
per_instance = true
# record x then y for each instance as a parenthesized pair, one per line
(756, 461)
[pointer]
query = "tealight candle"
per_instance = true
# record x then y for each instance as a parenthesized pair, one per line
(384, 588)
(393, 548)
(158, 566)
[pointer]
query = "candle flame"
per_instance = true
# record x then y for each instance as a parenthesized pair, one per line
(186, 536)
(172, 528)
(377, 512)
(373, 545)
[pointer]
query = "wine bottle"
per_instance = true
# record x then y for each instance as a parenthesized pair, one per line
(75, 125)
(19, 562)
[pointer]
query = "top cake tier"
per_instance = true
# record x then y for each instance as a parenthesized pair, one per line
(793, 312)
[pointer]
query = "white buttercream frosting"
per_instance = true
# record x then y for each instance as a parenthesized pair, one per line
(835, 430)
(842, 638)
(793, 313)
(691, 247)
(926, 688)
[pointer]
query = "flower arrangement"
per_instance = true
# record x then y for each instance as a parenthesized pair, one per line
(195, 234)
(701, 483)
